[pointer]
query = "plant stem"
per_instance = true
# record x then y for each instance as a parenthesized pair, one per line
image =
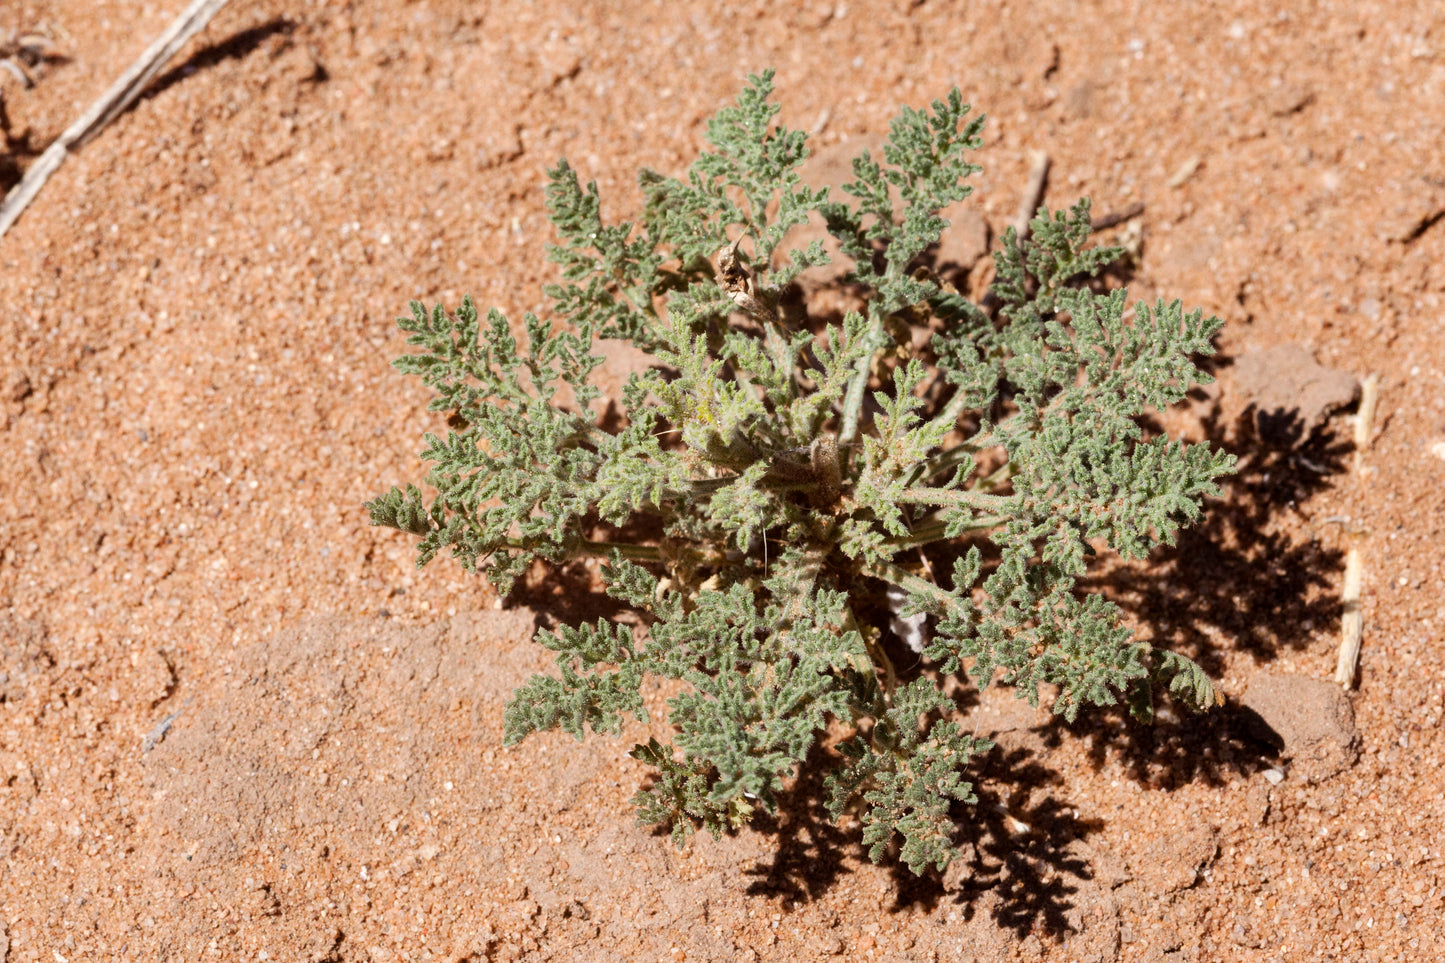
(1000, 475)
(949, 415)
(937, 529)
(803, 588)
(700, 486)
(853, 402)
(950, 497)
(637, 553)
(953, 457)
(906, 580)
(878, 657)
(857, 386)
(640, 553)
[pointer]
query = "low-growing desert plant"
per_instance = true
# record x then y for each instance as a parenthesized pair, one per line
(813, 492)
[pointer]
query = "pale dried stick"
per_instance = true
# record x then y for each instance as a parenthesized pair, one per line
(1365, 419)
(1352, 623)
(111, 104)
(1185, 171)
(1033, 194)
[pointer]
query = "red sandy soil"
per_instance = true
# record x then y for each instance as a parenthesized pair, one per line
(196, 320)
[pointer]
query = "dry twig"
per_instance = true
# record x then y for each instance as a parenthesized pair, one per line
(1185, 171)
(111, 104)
(1365, 418)
(1033, 194)
(1352, 623)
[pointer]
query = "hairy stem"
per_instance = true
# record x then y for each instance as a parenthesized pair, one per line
(949, 497)
(803, 588)
(636, 553)
(953, 457)
(879, 658)
(906, 580)
(857, 386)
(936, 530)
(1000, 475)
(949, 415)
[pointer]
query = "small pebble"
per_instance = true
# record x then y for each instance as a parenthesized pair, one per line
(1274, 776)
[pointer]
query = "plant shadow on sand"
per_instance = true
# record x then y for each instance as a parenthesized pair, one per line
(1014, 844)
(1238, 578)
(1234, 574)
